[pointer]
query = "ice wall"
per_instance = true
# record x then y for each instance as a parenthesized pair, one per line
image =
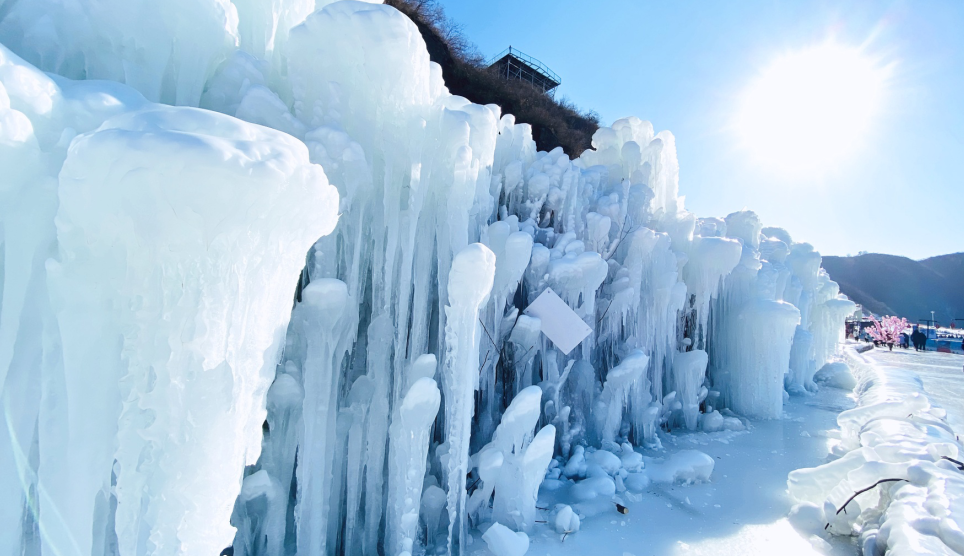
(410, 398)
(148, 270)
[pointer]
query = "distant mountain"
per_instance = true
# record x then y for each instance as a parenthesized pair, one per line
(891, 285)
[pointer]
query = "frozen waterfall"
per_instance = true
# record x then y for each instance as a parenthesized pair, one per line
(203, 344)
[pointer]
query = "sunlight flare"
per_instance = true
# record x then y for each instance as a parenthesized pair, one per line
(811, 108)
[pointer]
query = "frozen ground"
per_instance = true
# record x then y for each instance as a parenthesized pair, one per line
(741, 511)
(942, 374)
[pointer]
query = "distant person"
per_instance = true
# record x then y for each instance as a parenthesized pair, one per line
(915, 338)
(919, 339)
(904, 340)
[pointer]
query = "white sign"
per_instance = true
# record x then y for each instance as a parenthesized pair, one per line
(560, 324)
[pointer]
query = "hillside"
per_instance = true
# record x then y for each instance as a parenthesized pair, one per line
(887, 284)
(555, 123)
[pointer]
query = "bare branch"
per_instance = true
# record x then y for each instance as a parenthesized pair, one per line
(863, 490)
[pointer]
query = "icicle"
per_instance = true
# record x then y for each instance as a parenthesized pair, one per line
(410, 441)
(469, 284)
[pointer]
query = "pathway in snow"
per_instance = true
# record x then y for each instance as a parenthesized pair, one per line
(741, 512)
(942, 374)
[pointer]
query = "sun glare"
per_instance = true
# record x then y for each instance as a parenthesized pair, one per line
(810, 109)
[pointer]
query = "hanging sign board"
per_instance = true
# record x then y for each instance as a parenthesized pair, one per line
(560, 324)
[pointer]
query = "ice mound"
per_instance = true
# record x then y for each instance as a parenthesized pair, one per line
(896, 483)
(503, 541)
(683, 467)
(836, 375)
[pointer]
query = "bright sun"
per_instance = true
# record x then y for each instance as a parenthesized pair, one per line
(811, 108)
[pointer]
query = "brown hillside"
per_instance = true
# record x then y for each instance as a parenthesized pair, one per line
(555, 123)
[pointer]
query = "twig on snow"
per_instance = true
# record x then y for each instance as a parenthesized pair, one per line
(863, 490)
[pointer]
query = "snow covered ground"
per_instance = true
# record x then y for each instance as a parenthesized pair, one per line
(942, 374)
(894, 480)
(742, 509)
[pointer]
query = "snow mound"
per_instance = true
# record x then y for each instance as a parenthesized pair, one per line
(895, 483)
(683, 467)
(836, 375)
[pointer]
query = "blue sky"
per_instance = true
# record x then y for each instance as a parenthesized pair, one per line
(683, 65)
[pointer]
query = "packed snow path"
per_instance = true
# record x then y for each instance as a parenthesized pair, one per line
(741, 511)
(941, 373)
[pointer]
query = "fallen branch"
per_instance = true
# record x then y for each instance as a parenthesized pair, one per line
(960, 465)
(863, 490)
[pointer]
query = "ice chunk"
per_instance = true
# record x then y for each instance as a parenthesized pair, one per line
(565, 520)
(836, 375)
(592, 488)
(503, 541)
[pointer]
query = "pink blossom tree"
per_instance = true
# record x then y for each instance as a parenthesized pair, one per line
(887, 330)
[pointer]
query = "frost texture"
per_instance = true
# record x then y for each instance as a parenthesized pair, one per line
(159, 388)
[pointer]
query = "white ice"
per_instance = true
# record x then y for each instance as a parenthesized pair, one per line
(203, 344)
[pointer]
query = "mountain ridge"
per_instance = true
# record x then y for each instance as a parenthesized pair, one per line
(895, 285)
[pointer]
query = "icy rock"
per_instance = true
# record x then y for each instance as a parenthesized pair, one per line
(836, 375)
(503, 541)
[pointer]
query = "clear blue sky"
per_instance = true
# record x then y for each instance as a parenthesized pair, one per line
(684, 64)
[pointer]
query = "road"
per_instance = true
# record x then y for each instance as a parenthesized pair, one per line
(942, 374)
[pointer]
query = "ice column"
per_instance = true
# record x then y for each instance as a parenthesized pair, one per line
(180, 233)
(469, 284)
(762, 356)
(325, 315)
(410, 441)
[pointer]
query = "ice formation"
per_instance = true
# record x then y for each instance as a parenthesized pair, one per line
(896, 481)
(162, 396)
